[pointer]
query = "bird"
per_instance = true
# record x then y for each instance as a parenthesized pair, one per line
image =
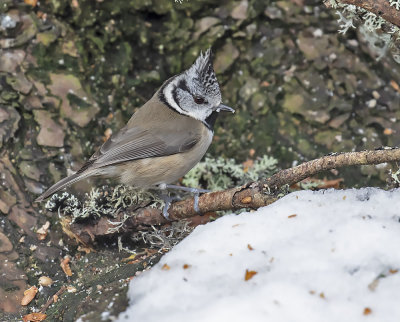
(165, 138)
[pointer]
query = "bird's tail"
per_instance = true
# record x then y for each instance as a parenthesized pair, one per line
(64, 183)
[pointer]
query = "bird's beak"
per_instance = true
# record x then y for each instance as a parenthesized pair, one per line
(222, 107)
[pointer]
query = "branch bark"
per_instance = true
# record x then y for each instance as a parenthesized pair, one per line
(381, 8)
(252, 195)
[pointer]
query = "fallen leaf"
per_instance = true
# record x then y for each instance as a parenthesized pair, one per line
(249, 247)
(388, 131)
(71, 289)
(29, 294)
(45, 281)
(65, 265)
(42, 231)
(107, 134)
(367, 311)
(165, 267)
(322, 295)
(186, 266)
(34, 317)
(55, 298)
(247, 165)
(395, 86)
(32, 3)
(249, 275)
(393, 271)
(292, 216)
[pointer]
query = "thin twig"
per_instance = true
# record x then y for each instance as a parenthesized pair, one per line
(51, 299)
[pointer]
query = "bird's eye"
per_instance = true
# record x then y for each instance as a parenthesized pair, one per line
(198, 100)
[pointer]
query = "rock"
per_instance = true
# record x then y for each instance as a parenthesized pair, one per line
(29, 169)
(225, 57)
(23, 220)
(10, 59)
(5, 244)
(51, 133)
(46, 38)
(7, 200)
(240, 11)
(20, 83)
(203, 25)
(9, 120)
(76, 104)
(250, 87)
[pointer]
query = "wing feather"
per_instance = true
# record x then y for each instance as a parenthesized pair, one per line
(137, 143)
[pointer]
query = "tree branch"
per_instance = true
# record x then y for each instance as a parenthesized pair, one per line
(381, 8)
(262, 193)
(252, 195)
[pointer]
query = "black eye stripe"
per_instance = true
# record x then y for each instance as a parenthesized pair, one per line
(183, 85)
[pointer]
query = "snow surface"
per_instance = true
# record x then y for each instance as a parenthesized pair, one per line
(319, 256)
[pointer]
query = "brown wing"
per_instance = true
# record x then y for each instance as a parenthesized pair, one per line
(137, 143)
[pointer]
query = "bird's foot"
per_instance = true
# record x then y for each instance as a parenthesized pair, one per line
(195, 191)
(167, 202)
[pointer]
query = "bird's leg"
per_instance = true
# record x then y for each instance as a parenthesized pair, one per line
(195, 191)
(164, 196)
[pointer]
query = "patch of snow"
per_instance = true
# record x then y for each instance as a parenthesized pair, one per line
(318, 256)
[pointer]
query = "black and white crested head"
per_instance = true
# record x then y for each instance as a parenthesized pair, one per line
(195, 92)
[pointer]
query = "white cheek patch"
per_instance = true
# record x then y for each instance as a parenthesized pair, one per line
(170, 99)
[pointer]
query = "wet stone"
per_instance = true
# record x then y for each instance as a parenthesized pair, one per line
(226, 57)
(5, 244)
(29, 170)
(75, 102)
(10, 59)
(240, 11)
(203, 25)
(51, 133)
(20, 83)
(9, 120)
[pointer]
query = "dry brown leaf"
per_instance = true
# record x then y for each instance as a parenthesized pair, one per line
(41, 233)
(71, 289)
(32, 3)
(252, 152)
(322, 295)
(388, 131)
(367, 311)
(45, 281)
(165, 267)
(247, 165)
(34, 317)
(55, 298)
(65, 265)
(107, 134)
(395, 86)
(249, 275)
(186, 266)
(393, 271)
(292, 216)
(249, 247)
(29, 295)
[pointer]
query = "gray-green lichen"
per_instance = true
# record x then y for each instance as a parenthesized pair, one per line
(102, 201)
(219, 173)
(379, 34)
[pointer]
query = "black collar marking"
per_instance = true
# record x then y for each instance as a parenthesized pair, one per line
(210, 121)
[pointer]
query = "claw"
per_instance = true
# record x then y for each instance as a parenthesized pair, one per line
(167, 199)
